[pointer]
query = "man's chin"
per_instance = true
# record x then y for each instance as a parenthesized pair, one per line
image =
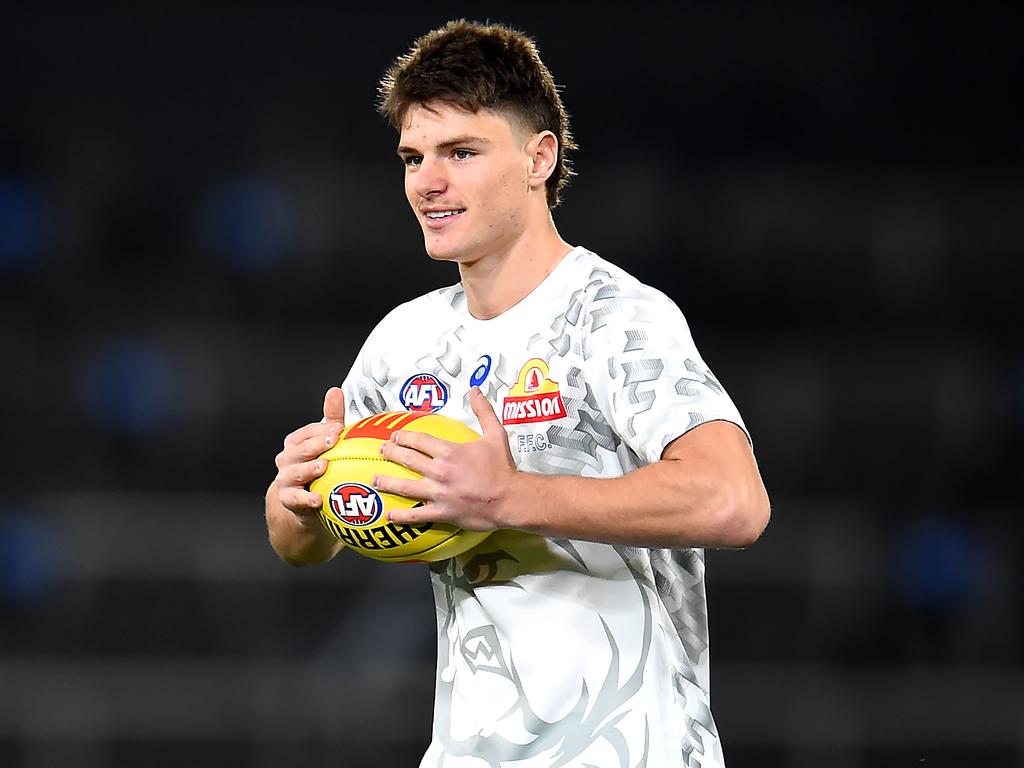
(439, 252)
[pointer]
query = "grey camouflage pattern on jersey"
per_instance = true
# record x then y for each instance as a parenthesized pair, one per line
(568, 737)
(616, 321)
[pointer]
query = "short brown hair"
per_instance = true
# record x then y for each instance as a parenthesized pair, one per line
(481, 66)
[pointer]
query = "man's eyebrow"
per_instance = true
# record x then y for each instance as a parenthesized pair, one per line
(465, 138)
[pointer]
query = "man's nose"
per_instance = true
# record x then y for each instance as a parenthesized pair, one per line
(431, 178)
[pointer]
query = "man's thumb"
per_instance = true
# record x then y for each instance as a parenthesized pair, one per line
(334, 405)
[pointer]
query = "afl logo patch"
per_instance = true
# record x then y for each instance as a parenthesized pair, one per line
(356, 504)
(424, 392)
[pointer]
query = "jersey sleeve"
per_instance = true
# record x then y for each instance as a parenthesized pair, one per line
(362, 385)
(656, 385)
(371, 386)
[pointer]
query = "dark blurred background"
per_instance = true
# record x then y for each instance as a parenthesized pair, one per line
(201, 217)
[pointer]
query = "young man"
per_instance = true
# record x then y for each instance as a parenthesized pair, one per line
(575, 634)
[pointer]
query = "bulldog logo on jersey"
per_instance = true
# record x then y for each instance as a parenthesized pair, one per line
(424, 393)
(356, 504)
(534, 397)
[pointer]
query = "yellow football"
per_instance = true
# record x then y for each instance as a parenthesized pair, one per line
(357, 513)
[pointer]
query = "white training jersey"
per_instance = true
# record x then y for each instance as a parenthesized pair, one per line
(556, 652)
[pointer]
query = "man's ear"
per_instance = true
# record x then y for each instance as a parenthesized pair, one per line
(542, 149)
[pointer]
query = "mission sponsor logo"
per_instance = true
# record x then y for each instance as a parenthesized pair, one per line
(356, 504)
(534, 397)
(424, 393)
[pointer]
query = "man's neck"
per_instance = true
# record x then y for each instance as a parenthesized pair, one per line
(497, 282)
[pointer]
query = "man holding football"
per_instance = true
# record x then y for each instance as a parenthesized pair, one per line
(576, 634)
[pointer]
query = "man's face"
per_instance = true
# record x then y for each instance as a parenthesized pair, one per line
(466, 178)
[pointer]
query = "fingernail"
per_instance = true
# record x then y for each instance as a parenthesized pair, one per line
(376, 481)
(383, 447)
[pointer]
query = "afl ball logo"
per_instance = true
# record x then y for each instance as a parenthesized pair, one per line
(424, 392)
(356, 504)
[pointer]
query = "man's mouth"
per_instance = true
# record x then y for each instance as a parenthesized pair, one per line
(441, 218)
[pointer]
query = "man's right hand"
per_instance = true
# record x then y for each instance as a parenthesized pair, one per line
(295, 532)
(298, 465)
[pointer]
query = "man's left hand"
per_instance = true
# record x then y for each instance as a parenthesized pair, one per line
(466, 484)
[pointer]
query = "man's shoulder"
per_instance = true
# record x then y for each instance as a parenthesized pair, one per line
(609, 289)
(433, 308)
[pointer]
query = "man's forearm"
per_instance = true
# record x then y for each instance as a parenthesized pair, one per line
(638, 509)
(297, 541)
(699, 500)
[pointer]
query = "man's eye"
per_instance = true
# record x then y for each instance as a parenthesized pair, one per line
(412, 160)
(462, 154)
